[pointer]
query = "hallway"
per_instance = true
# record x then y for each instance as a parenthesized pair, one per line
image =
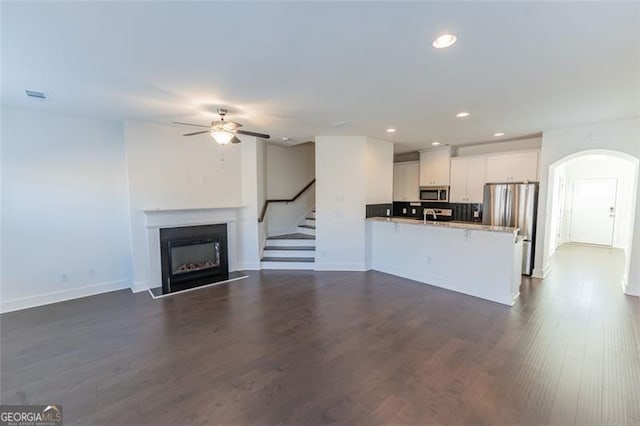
(583, 343)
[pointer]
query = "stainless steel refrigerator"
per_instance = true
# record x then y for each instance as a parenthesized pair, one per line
(514, 204)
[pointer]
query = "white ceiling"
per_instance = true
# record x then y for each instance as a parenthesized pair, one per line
(305, 69)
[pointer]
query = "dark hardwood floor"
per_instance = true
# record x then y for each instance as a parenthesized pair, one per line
(299, 347)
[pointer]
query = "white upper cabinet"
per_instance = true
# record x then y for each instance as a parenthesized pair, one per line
(435, 167)
(458, 190)
(405, 181)
(467, 179)
(512, 167)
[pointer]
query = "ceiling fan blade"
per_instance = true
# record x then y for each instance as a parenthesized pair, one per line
(258, 135)
(196, 133)
(189, 124)
(235, 140)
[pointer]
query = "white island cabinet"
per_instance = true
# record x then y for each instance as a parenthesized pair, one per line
(478, 260)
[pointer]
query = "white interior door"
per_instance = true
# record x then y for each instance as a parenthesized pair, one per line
(593, 211)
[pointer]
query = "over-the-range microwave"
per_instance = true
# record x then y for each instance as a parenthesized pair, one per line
(434, 193)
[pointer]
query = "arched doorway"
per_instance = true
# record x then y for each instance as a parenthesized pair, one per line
(592, 199)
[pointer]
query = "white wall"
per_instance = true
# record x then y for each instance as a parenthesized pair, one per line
(169, 171)
(288, 170)
(261, 175)
(344, 167)
(378, 170)
(64, 208)
(248, 230)
(622, 136)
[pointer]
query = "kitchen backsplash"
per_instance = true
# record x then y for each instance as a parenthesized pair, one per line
(462, 212)
(379, 210)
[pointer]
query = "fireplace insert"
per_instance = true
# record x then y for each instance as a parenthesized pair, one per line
(192, 256)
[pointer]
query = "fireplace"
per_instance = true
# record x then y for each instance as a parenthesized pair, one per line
(192, 256)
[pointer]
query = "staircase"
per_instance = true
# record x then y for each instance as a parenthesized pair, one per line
(292, 251)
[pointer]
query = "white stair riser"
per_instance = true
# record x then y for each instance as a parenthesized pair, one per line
(306, 231)
(312, 214)
(289, 253)
(310, 222)
(291, 243)
(287, 265)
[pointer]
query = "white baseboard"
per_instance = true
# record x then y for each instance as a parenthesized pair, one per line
(356, 267)
(542, 274)
(62, 295)
(248, 266)
(139, 286)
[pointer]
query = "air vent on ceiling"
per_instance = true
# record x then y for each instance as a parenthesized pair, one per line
(41, 96)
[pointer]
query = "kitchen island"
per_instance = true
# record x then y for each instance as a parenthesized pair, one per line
(471, 258)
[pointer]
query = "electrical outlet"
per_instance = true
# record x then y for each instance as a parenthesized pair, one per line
(428, 260)
(404, 211)
(388, 212)
(92, 272)
(476, 214)
(64, 276)
(413, 211)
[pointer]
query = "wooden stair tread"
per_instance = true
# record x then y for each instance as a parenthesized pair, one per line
(305, 248)
(287, 259)
(296, 236)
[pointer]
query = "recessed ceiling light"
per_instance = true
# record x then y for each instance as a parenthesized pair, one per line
(391, 130)
(444, 40)
(285, 139)
(462, 114)
(436, 143)
(498, 134)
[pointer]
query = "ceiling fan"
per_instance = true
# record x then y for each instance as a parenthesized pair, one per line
(223, 132)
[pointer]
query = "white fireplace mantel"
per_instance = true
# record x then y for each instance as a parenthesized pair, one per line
(159, 218)
(156, 219)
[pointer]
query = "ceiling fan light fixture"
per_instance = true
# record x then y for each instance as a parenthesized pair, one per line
(221, 136)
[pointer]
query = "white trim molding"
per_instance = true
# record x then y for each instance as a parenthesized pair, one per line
(246, 266)
(139, 286)
(355, 267)
(62, 295)
(537, 273)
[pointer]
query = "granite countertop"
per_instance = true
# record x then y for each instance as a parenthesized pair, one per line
(449, 224)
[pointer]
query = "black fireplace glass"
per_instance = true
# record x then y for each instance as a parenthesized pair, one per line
(194, 256)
